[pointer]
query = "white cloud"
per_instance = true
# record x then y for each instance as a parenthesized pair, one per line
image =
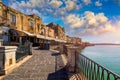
(38, 3)
(70, 5)
(73, 21)
(97, 3)
(25, 7)
(55, 8)
(86, 1)
(61, 12)
(101, 18)
(89, 23)
(56, 3)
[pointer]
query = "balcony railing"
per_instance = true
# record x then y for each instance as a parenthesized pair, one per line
(94, 71)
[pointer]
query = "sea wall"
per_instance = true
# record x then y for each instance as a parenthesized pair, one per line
(71, 52)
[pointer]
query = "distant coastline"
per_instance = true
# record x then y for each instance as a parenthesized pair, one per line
(105, 44)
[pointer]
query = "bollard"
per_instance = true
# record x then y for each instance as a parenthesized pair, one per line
(30, 49)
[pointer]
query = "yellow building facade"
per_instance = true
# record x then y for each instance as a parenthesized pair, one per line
(28, 27)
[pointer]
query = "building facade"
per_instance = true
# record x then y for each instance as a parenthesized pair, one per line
(59, 31)
(76, 40)
(22, 27)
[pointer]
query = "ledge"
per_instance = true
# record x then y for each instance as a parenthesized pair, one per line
(8, 47)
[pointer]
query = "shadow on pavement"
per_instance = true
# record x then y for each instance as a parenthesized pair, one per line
(55, 54)
(60, 69)
(59, 75)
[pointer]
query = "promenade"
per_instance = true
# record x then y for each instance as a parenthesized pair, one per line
(43, 65)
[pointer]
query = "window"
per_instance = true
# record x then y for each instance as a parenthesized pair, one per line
(31, 24)
(13, 19)
(43, 32)
(38, 27)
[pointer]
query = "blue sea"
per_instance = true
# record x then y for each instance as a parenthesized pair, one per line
(107, 55)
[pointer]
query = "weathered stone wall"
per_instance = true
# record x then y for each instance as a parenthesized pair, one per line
(7, 58)
(72, 53)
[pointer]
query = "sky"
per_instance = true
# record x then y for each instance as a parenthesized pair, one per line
(95, 21)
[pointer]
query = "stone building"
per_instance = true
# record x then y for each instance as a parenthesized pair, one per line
(59, 31)
(73, 40)
(19, 27)
(68, 39)
(76, 40)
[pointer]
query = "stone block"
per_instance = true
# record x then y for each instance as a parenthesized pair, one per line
(7, 58)
(72, 54)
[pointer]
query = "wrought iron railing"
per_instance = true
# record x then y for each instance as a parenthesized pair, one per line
(22, 51)
(94, 71)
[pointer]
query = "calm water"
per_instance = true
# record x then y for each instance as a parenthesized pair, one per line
(107, 56)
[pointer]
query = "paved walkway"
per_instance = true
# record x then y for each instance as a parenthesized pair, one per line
(44, 65)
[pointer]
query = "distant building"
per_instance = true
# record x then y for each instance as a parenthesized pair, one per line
(59, 31)
(76, 40)
(68, 39)
(73, 40)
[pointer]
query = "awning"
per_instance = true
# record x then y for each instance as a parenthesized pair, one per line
(13, 32)
(45, 37)
(58, 40)
(28, 33)
(41, 36)
(49, 38)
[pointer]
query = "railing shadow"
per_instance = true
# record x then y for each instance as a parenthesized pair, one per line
(59, 75)
(55, 54)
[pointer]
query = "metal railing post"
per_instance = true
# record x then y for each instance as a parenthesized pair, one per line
(94, 71)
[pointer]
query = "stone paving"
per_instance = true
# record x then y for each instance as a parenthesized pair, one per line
(44, 65)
